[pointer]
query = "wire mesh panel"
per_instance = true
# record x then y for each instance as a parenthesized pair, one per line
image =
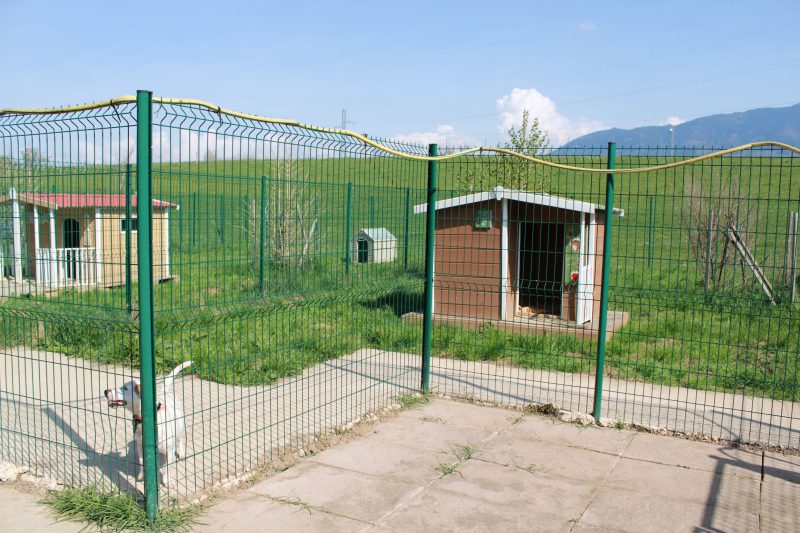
(702, 266)
(514, 319)
(260, 281)
(289, 288)
(702, 328)
(286, 321)
(68, 329)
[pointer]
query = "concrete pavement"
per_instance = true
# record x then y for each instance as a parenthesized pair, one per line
(453, 466)
(450, 466)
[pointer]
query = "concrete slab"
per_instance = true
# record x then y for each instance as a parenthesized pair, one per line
(515, 488)
(22, 512)
(253, 512)
(459, 414)
(363, 497)
(413, 434)
(541, 457)
(640, 512)
(605, 440)
(445, 511)
(721, 460)
(782, 467)
(780, 505)
(741, 494)
(392, 461)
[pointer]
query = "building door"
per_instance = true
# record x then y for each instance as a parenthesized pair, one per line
(540, 249)
(585, 303)
(363, 250)
(71, 243)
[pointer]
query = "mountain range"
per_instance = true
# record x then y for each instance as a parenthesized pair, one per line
(719, 131)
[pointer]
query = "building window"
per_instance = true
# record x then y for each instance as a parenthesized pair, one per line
(123, 225)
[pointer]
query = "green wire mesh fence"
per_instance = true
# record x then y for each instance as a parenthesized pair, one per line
(288, 265)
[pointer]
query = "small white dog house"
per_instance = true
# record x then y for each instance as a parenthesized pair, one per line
(373, 245)
(66, 240)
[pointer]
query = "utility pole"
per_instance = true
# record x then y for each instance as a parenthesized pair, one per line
(344, 119)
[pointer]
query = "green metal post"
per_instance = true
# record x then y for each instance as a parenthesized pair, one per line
(128, 280)
(606, 275)
(348, 228)
(193, 220)
(407, 229)
(262, 234)
(144, 212)
(430, 227)
(222, 220)
(651, 243)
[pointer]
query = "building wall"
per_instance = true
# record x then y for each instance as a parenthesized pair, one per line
(113, 240)
(467, 263)
(468, 269)
(114, 247)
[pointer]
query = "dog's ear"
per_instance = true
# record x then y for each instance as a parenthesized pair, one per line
(138, 389)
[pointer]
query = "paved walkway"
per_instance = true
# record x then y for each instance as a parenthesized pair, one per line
(450, 466)
(54, 419)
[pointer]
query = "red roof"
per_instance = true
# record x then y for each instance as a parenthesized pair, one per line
(62, 200)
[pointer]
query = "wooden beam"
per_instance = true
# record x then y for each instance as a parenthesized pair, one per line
(750, 261)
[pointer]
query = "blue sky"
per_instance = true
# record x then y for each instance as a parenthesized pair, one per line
(448, 72)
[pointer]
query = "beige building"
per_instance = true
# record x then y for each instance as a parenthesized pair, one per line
(65, 240)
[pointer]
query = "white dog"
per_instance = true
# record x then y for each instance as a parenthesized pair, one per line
(171, 428)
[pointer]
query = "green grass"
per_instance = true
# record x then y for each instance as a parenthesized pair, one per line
(118, 512)
(729, 340)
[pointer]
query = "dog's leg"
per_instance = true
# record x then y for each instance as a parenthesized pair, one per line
(180, 449)
(169, 463)
(139, 453)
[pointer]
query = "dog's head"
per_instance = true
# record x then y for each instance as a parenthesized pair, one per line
(127, 396)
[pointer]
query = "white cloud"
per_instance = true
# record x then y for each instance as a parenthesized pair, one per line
(587, 25)
(559, 128)
(672, 121)
(445, 135)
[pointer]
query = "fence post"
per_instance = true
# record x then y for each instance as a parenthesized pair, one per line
(603, 322)
(430, 242)
(128, 280)
(262, 233)
(222, 219)
(348, 228)
(791, 255)
(407, 229)
(193, 219)
(709, 236)
(144, 212)
(651, 200)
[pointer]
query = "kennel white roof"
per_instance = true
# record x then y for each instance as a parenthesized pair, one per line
(499, 193)
(378, 234)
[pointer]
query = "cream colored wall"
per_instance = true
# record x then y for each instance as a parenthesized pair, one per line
(114, 247)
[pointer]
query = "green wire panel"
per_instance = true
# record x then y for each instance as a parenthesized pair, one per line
(703, 331)
(289, 267)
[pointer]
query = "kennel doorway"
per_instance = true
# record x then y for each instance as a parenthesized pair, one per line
(541, 266)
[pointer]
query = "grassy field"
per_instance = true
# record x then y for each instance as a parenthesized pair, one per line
(729, 339)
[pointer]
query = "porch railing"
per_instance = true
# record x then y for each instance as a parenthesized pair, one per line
(67, 266)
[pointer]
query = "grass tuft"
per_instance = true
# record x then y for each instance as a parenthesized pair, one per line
(117, 512)
(448, 468)
(409, 401)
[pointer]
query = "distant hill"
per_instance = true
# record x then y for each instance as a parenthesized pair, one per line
(732, 129)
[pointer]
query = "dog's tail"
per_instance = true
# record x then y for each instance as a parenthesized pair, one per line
(178, 369)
